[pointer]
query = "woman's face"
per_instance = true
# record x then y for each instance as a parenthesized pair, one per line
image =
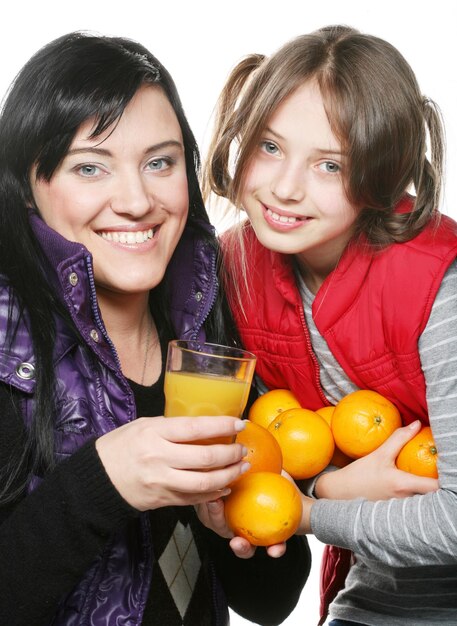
(123, 194)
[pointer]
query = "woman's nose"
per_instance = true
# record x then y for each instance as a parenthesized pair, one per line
(132, 196)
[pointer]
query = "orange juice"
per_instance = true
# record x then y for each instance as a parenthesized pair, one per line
(200, 394)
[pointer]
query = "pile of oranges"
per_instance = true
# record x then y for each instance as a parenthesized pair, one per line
(265, 507)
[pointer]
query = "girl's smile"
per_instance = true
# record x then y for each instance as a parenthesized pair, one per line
(283, 220)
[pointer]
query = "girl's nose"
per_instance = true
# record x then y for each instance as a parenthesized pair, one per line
(289, 184)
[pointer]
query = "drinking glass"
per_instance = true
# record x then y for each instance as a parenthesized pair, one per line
(207, 379)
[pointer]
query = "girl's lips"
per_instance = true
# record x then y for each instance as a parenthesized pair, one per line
(283, 221)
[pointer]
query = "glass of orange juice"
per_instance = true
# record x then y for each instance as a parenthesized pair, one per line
(207, 379)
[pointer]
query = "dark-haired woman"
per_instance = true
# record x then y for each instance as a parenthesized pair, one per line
(106, 253)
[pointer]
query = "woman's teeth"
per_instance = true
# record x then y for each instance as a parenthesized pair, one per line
(128, 237)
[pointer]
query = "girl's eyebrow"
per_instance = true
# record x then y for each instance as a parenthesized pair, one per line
(273, 132)
(171, 143)
(329, 151)
(323, 151)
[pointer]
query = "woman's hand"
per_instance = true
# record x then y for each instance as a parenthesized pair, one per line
(152, 462)
(376, 476)
(211, 514)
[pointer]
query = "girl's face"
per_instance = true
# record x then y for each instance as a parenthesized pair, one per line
(293, 191)
(123, 194)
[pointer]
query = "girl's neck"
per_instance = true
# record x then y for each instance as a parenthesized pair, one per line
(315, 265)
(314, 274)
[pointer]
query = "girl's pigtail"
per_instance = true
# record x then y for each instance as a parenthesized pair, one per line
(429, 175)
(386, 226)
(216, 176)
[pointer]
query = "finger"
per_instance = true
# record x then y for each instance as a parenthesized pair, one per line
(217, 518)
(276, 551)
(392, 446)
(418, 484)
(242, 548)
(206, 457)
(200, 501)
(208, 483)
(185, 429)
(216, 512)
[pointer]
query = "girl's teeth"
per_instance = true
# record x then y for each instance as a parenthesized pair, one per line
(281, 218)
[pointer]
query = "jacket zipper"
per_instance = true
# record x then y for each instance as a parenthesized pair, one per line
(317, 379)
(95, 310)
(209, 305)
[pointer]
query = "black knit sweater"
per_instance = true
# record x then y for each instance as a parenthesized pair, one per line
(49, 538)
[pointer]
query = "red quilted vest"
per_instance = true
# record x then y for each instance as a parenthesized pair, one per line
(371, 310)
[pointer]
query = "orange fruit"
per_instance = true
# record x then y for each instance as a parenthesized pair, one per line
(266, 407)
(362, 421)
(339, 459)
(326, 412)
(419, 456)
(264, 453)
(264, 508)
(305, 440)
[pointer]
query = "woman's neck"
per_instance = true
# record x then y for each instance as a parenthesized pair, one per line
(132, 330)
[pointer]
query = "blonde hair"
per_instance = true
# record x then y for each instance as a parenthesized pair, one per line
(375, 108)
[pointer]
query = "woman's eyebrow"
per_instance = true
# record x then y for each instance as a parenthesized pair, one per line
(170, 143)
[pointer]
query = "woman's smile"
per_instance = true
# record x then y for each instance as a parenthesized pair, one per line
(129, 237)
(123, 195)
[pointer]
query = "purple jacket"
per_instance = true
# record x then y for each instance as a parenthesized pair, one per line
(94, 397)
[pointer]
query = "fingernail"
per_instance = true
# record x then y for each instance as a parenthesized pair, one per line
(240, 425)
(244, 451)
(226, 492)
(414, 424)
(245, 466)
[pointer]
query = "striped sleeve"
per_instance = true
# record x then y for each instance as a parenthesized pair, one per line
(419, 530)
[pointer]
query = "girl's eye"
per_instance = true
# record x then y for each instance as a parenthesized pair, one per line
(329, 167)
(159, 165)
(269, 147)
(88, 170)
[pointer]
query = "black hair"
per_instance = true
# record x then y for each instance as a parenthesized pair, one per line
(76, 77)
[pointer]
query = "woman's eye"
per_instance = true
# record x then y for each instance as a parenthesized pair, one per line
(158, 165)
(88, 170)
(269, 147)
(330, 167)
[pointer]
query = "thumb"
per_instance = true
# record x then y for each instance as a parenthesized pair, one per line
(400, 437)
(418, 484)
(216, 507)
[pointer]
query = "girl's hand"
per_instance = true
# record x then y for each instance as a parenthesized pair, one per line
(152, 462)
(211, 514)
(376, 476)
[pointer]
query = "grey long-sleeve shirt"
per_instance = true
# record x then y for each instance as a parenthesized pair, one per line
(405, 549)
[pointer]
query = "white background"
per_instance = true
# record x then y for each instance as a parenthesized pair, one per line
(199, 41)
